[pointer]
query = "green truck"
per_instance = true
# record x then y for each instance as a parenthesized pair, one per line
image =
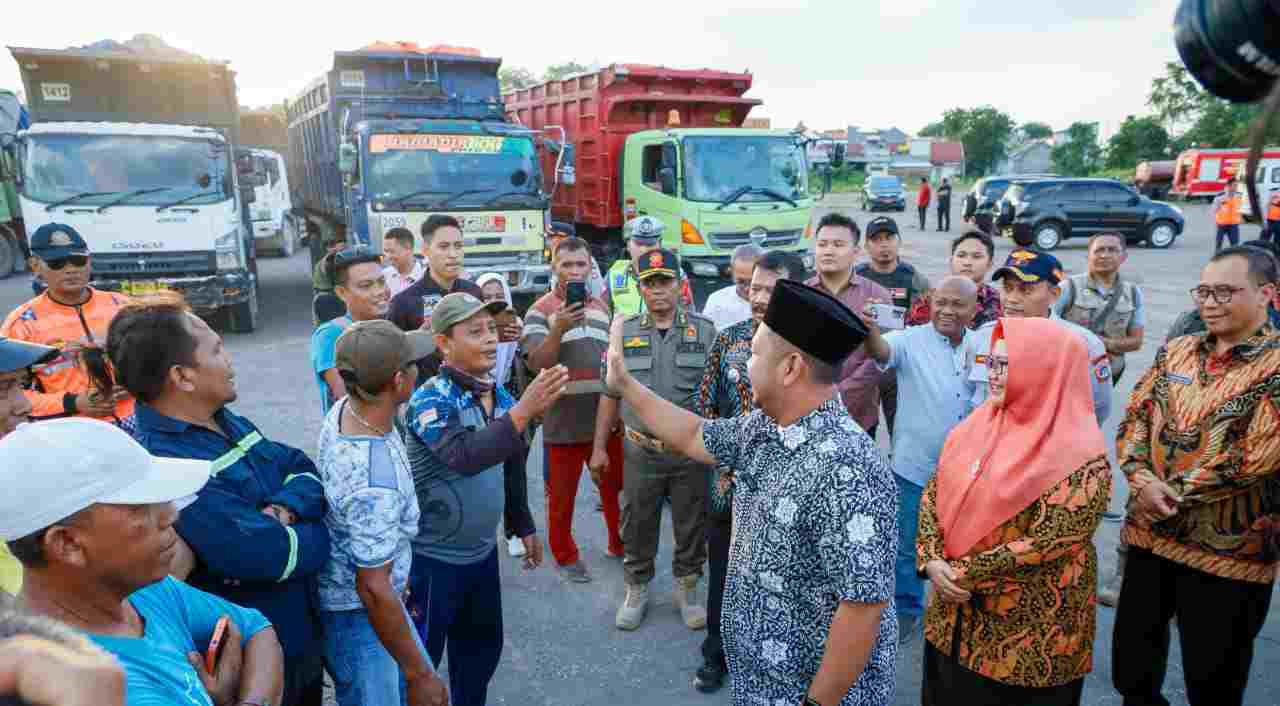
(12, 235)
(634, 140)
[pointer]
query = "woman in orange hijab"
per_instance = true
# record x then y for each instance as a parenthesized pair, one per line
(1006, 530)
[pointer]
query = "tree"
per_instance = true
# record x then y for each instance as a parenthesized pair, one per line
(1036, 131)
(555, 72)
(515, 77)
(1138, 139)
(1179, 102)
(1176, 97)
(1080, 154)
(984, 132)
(932, 130)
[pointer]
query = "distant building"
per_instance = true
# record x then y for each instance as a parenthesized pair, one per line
(947, 159)
(1032, 158)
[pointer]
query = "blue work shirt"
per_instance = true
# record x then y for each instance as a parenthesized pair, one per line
(177, 620)
(243, 555)
(934, 375)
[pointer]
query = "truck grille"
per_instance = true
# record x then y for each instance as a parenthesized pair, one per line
(775, 239)
(154, 264)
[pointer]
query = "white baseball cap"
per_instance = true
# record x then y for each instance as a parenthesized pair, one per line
(54, 469)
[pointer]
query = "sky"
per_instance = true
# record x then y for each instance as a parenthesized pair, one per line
(900, 63)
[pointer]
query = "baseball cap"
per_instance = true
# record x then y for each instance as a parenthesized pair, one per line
(458, 307)
(53, 469)
(374, 351)
(881, 224)
(53, 241)
(645, 229)
(1031, 266)
(562, 228)
(20, 355)
(659, 263)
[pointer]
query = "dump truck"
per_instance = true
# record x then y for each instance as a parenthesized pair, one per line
(395, 133)
(13, 117)
(632, 140)
(136, 152)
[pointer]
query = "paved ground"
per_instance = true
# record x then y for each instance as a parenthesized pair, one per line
(561, 647)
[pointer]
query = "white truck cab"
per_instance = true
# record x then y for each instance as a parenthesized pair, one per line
(271, 214)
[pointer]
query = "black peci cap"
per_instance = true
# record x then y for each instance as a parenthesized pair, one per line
(814, 321)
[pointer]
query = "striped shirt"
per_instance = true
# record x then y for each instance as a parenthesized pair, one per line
(572, 420)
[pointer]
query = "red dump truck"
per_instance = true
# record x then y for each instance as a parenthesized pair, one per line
(632, 140)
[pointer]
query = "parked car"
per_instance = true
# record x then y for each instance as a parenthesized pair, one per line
(1044, 212)
(989, 191)
(883, 192)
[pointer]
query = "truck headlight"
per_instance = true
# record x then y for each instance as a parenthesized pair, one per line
(227, 250)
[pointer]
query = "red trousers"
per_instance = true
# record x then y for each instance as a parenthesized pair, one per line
(562, 469)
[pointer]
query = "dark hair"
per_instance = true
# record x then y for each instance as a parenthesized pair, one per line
(344, 260)
(787, 264)
(979, 236)
(572, 244)
(1124, 244)
(435, 223)
(327, 306)
(1269, 245)
(1262, 264)
(824, 373)
(838, 220)
(404, 236)
(145, 341)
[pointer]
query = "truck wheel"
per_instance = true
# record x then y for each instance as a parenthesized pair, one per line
(243, 317)
(8, 252)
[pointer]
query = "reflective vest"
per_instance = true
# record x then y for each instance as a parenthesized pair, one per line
(624, 290)
(1086, 303)
(1273, 213)
(1228, 211)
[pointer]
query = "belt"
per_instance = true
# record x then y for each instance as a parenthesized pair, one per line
(647, 442)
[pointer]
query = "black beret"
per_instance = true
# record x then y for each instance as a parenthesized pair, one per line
(814, 321)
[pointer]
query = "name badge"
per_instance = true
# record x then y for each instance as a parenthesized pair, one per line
(1180, 379)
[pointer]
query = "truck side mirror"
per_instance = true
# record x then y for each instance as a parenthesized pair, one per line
(837, 154)
(347, 158)
(667, 179)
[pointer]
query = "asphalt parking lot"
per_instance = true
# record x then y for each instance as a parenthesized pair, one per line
(561, 646)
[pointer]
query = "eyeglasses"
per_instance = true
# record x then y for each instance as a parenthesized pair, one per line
(58, 263)
(997, 366)
(1221, 294)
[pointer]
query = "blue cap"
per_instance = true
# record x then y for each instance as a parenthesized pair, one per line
(560, 227)
(1031, 266)
(19, 355)
(53, 241)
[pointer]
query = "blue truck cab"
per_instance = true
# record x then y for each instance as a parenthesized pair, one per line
(387, 139)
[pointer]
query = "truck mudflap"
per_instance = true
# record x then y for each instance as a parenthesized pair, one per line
(522, 279)
(203, 294)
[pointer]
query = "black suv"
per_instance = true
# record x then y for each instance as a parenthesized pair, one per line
(1044, 212)
(883, 191)
(989, 191)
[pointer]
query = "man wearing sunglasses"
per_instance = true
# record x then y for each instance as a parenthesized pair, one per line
(73, 317)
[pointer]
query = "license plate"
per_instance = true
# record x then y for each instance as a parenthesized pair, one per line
(142, 287)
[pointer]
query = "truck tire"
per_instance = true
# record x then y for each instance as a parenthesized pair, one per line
(243, 317)
(8, 251)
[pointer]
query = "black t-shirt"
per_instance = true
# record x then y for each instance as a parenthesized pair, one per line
(409, 310)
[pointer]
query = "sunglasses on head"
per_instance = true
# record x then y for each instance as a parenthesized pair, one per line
(57, 263)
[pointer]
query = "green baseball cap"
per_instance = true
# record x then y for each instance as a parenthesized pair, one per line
(374, 351)
(458, 307)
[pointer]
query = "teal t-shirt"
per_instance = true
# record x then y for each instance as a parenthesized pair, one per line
(179, 619)
(324, 348)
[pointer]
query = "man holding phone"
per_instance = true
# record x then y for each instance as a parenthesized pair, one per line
(569, 327)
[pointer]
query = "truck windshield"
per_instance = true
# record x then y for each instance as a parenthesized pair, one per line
(717, 166)
(59, 166)
(430, 167)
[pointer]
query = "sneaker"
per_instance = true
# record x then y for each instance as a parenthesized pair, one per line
(575, 572)
(515, 546)
(709, 678)
(909, 626)
(694, 615)
(631, 612)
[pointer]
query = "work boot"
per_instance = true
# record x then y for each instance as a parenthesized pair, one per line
(694, 615)
(631, 612)
(1109, 594)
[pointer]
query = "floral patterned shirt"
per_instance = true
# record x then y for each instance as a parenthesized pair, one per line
(989, 309)
(815, 521)
(1032, 616)
(726, 392)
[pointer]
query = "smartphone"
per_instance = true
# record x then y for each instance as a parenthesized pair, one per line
(215, 645)
(889, 317)
(575, 293)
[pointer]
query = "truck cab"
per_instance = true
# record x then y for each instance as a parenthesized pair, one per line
(271, 215)
(716, 189)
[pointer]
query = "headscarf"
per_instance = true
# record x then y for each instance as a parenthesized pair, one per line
(506, 351)
(999, 460)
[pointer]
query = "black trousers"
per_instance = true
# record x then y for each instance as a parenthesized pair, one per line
(1229, 233)
(944, 216)
(1218, 621)
(947, 683)
(719, 530)
(924, 213)
(303, 681)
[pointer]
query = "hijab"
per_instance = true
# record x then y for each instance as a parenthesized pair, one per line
(999, 460)
(506, 351)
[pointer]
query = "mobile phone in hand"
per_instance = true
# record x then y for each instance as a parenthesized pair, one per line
(215, 645)
(575, 293)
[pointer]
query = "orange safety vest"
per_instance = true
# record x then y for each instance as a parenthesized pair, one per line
(1228, 213)
(44, 321)
(1273, 213)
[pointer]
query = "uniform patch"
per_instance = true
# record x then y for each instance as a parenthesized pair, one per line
(28, 315)
(428, 417)
(1103, 372)
(620, 281)
(980, 360)
(636, 342)
(1180, 378)
(691, 333)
